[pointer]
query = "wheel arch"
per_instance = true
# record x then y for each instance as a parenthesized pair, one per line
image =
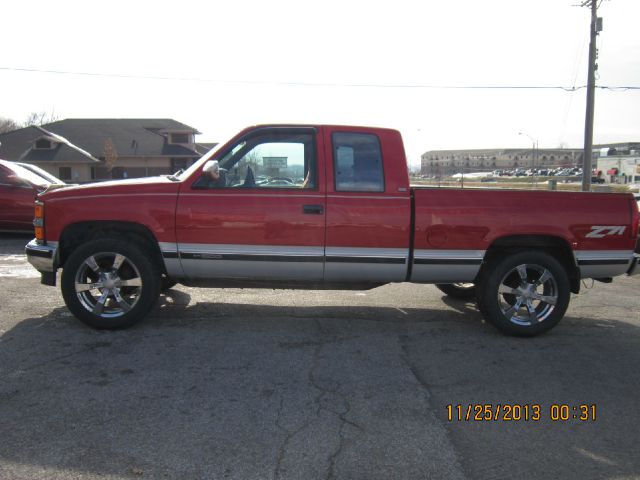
(556, 246)
(76, 234)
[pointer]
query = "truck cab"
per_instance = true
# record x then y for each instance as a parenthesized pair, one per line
(344, 216)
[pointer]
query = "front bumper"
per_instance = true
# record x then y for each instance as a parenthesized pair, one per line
(42, 257)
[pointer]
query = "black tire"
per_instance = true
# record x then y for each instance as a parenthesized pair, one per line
(129, 284)
(463, 291)
(166, 283)
(524, 293)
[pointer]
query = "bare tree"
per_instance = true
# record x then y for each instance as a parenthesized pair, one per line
(110, 154)
(7, 125)
(40, 118)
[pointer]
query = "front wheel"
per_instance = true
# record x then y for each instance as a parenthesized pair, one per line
(109, 284)
(524, 294)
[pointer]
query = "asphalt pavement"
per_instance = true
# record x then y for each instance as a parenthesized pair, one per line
(265, 384)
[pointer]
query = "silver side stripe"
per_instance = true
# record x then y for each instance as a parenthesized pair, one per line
(448, 257)
(346, 263)
(603, 257)
(446, 266)
(222, 251)
(168, 248)
(197, 251)
(603, 263)
(256, 262)
(367, 255)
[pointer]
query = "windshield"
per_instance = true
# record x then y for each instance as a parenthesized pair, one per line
(26, 174)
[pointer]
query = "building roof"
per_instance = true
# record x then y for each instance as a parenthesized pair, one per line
(131, 137)
(87, 136)
(203, 148)
(18, 146)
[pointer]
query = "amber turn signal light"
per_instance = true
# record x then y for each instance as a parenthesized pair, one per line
(39, 233)
(38, 221)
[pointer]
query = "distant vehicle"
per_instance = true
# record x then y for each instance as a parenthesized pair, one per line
(18, 189)
(597, 180)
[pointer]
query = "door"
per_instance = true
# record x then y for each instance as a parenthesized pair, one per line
(368, 208)
(263, 218)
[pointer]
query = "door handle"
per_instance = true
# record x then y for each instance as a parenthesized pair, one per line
(313, 209)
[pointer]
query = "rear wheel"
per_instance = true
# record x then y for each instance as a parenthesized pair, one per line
(463, 291)
(524, 294)
(109, 284)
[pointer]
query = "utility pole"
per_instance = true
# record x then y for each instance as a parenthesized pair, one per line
(596, 26)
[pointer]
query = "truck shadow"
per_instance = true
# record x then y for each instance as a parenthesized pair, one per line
(175, 307)
(222, 390)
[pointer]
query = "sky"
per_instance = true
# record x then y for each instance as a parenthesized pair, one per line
(222, 66)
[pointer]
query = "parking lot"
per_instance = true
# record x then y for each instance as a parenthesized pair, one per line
(262, 384)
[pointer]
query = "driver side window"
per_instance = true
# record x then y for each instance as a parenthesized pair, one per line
(268, 160)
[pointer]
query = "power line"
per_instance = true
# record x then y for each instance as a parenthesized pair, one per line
(319, 84)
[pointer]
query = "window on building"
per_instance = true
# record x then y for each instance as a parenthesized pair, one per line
(64, 173)
(43, 144)
(357, 162)
(180, 138)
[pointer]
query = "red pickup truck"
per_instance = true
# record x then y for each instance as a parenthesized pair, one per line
(329, 207)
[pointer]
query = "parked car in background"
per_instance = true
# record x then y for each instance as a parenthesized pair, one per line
(18, 189)
(41, 172)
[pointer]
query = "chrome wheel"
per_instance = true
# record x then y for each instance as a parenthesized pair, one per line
(108, 284)
(528, 294)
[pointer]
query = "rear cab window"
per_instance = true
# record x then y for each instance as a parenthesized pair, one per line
(357, 162)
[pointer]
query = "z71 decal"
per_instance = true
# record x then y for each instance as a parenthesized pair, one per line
(598, 231)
